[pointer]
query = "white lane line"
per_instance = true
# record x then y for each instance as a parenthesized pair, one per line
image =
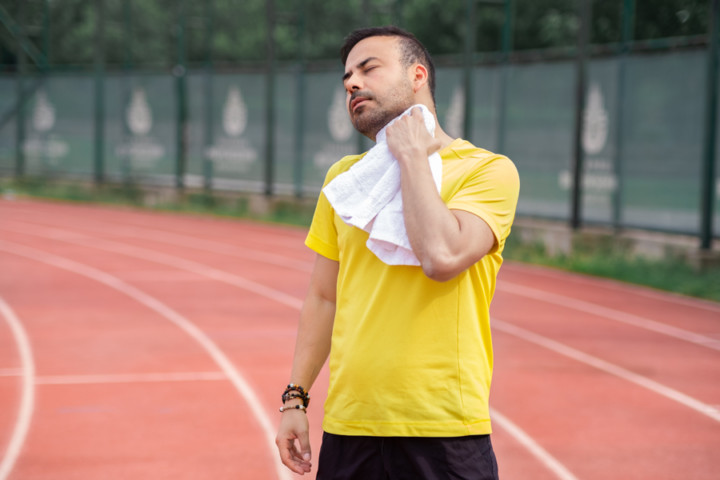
(282, 240)
(532, 446)
(129, 378)
(27, 399)
(504, 286)
(627, 375)
(163, 258)
(608, 367)
(617, 285)
(65, 237)
(11, 372)
(195, 243)
(69, 236)
(609, 313)
(239, 382)
(215, 247)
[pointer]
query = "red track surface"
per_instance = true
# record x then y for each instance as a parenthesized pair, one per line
(605, 380)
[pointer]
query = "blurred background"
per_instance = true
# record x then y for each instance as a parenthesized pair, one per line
(235, 108)
(607, 107)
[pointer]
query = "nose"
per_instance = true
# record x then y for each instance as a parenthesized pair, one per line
(353, 83)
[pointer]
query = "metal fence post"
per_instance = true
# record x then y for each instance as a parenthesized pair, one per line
(181, 91)
(207, 161)
(20, 87)
(507, 46)
(46, 34)
(470, 27)
(584, 8)
(99, 169)
(711, 99)
(397, 12)
(126, 166)
(270, 98)
(366, 22)
(300, 103)
(366, 14)
(628, 32)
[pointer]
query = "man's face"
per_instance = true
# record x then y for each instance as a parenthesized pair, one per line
(377, 85)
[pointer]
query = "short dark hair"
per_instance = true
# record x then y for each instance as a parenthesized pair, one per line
(411, 50)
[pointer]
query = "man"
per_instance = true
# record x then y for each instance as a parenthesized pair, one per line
(410, 349)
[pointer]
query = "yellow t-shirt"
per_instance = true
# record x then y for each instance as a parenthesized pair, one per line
(411, 356)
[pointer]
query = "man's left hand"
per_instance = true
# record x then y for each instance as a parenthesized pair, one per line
(408, 138)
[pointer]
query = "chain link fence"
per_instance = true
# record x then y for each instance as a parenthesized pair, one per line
(642, 135)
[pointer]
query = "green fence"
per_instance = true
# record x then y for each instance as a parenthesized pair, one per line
(643, 157)
(655, 176)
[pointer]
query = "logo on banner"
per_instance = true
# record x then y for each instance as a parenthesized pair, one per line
(341, 130)
(42, 146)
(44, 113)
(140, 149)
(231, 153)
(138, 114)
(234, 113)
(339, 124)
(595, 122)
(455, 116)
(599, 179)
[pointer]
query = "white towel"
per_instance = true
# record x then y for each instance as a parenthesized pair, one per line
(368, 197)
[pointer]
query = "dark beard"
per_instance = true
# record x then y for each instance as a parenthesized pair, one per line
(370, 122)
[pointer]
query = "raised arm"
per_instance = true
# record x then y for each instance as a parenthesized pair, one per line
(446, 242)
(312, 348)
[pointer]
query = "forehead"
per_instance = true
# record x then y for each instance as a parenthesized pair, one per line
(383, 48)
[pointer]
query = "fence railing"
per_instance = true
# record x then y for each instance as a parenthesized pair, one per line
(640, 159)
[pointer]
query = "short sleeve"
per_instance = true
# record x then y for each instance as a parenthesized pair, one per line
(323, 236)
(490, 191)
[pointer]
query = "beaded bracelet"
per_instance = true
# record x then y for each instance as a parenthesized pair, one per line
(296, 391)
(294, 407)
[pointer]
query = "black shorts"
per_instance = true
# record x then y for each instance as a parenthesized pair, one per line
(406, 458)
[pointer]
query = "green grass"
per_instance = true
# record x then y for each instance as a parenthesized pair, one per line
(284, 212)
(672, 275)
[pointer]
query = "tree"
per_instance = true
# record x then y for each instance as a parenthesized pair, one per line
(240, 28)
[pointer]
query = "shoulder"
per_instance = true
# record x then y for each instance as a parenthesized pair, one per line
(342, 166)
(473, 162)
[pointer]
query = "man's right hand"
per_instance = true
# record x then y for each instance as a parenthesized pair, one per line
(294, 427)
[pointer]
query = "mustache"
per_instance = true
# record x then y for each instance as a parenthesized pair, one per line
(361, 93)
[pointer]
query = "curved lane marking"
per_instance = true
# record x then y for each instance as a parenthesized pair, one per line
(271, 293)
(509, 287)
(608, 367)
(70, 237)
(228, 368)
(617, 285)
(212, 246)
(609, 313)
(285, 241)
(27, 401)
(607, 283)
(163, 258)
(532, 446)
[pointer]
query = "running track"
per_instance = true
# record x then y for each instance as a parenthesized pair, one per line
(145, 345)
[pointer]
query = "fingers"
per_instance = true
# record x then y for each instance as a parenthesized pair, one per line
(304, 440)
(291, 458)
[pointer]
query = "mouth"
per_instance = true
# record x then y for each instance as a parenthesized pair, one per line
(358, 102)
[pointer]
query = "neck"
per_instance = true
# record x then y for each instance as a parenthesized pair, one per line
(440, 134)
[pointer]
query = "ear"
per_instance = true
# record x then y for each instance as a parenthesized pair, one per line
(418, 76)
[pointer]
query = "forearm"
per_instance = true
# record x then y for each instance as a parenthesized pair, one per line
(432, 229)
(312, 346)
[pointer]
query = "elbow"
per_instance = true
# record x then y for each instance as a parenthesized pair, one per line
(440, 268)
